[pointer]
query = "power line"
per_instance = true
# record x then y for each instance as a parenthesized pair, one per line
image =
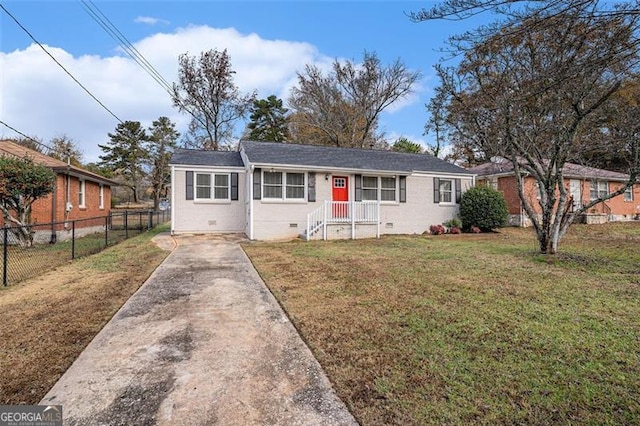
(109, 27)
(59, 64)
(25, 136)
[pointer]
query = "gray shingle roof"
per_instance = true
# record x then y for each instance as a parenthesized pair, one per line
(196, 157)
(344, 158)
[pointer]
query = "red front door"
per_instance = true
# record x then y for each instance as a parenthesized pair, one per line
(340, 192)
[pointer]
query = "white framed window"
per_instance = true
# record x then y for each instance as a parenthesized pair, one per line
(283, 185)
(101, 197)
(295, 186)
(446, 191)
(369, 188)
(212, 186)
(377, 188)
(387, 189)
(221, 187)
(82, 188)
(598, 188)
(628, 194)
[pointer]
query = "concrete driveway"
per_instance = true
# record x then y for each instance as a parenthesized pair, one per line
(202, 342)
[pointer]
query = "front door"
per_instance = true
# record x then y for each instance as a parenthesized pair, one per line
(340, 193)
(575, 189)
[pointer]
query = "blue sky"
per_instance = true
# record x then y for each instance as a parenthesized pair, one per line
(268, 42)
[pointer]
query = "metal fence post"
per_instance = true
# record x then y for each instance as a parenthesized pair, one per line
(106, 231)
(126, 225)
(5, 254)
(73, 239)
(150, 224)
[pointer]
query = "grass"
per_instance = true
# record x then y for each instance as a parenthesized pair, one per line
(473, 329)
(47, 321)
(27, 262)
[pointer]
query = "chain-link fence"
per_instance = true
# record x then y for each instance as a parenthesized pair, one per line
(28, 251)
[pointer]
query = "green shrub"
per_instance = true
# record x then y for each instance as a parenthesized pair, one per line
(483, 207)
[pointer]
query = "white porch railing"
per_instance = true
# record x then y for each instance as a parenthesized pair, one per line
(343, 212)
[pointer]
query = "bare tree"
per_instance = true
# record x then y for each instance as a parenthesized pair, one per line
(344, 106)
(516, 16)
(532, 91)
(205, 89)
(65, 149)
(162, 140)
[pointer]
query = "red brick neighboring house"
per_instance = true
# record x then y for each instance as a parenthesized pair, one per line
(77, 193)
(582, 183)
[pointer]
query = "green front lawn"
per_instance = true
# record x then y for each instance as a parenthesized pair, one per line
(470, 328)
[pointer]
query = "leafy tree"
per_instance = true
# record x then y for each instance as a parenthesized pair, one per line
(483, 207)
(344, 106)
(125, 155)
(160, 146)
(268, 120)
(531, 90)
(205, 89)
(403, 144)
(64, 148)
(22, 182)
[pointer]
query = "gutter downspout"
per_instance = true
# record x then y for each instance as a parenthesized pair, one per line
(250, 212)
(67, 200)
(54, 235)
(172, 207)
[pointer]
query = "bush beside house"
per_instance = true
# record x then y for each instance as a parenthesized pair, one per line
(483, 207)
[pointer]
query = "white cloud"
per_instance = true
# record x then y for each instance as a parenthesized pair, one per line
(149, 20)
(39, 99)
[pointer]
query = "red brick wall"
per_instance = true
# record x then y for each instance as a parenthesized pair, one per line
(42, 208)
(616, 206)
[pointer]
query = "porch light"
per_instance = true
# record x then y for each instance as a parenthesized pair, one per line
(326, 176)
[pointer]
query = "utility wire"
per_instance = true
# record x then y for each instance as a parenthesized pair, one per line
(25, 136)
(59, 64)
(108, 26)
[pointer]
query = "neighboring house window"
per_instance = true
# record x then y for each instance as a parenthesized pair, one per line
(204, 186)
(101, 197)
(81, 193)
(628, 194)
(387, 189)
(599, 189)
(446, 191)
(283, 186)
(369, 188)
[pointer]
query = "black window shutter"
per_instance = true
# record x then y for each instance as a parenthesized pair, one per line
(189, 188)
(234, 186)
(358, 194)
(436, 190)
(311, 187)
(458, 190)
(403, 189)
(257, 183)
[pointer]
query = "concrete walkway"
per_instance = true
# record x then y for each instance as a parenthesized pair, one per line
(202, 342)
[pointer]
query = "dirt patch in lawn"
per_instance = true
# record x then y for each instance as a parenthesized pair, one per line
(48, 320)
